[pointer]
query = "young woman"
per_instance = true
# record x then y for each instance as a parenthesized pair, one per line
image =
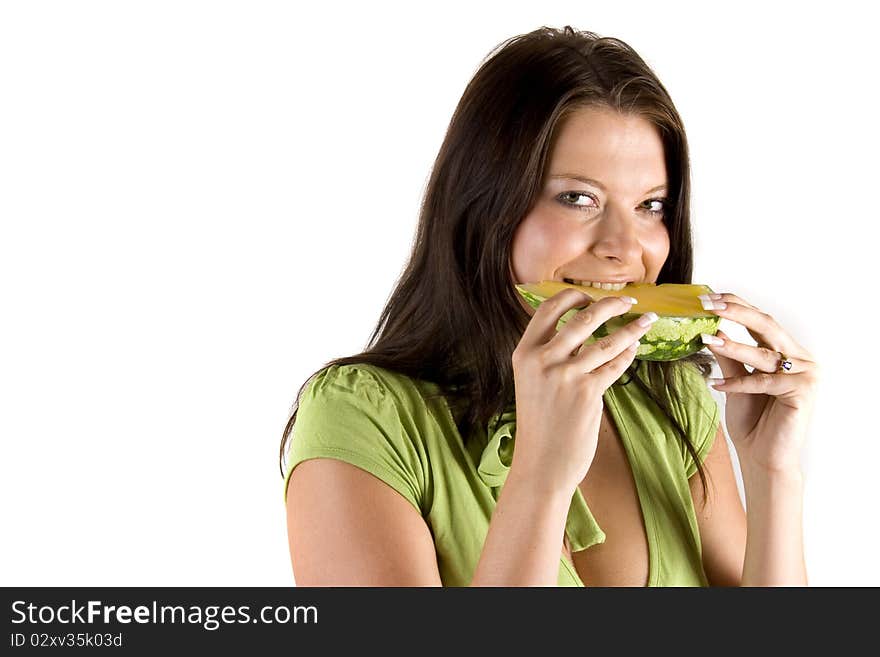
(473, 443)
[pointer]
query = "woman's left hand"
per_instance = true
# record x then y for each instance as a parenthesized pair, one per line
(767, 411)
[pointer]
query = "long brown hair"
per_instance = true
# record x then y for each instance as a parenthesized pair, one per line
(454, 317)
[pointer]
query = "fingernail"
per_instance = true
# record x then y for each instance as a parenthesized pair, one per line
(630, 299)
(711, 339)
(716, 382)
(713, 305)
(647, 319)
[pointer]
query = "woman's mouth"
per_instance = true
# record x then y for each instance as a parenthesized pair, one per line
(597, 284)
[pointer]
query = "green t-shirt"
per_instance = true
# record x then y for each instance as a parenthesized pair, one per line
(380, 421)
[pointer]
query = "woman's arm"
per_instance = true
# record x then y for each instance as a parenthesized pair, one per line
(775, 546)
(524, 544)
(763, 547)
(767, 412)
(348, 528)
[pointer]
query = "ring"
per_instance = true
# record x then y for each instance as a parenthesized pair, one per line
(784, 363)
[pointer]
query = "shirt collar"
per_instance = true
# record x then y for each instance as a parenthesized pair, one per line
(580, 525)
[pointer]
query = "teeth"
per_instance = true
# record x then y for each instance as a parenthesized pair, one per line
(602, 286)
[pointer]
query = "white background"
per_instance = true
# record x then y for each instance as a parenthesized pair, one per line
(202, 202)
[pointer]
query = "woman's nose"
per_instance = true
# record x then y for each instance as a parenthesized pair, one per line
(617, 238)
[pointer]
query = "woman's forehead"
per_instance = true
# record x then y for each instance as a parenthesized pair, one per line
(605, 149)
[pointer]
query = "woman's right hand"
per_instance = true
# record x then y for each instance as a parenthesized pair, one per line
(559, 384)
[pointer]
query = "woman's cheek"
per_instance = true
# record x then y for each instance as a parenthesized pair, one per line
(659, 248)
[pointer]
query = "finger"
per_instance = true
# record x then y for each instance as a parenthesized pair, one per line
(594, 355)
(609, 372)
(726, 297)
(760, 358)
(583, 324)
(766, 331)
(729, 367)
(762, 383)
(761, 326)
(542, 326)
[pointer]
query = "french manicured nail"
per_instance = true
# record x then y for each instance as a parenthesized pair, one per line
(716, 382)
(630, 299)
(711, 339)
(647, 319)
(713, 305)
(709, 297)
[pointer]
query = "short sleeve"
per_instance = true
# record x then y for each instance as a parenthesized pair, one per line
(347, 413)
(698, 413)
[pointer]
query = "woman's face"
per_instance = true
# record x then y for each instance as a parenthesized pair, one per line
(608, 228)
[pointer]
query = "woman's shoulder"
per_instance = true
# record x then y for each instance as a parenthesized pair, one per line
(354, 412)
(370, 384)
(361, 376)
(685, 393)
(700, 412)
(693, 388)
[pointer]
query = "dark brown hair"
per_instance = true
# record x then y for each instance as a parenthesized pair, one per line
(454, 317)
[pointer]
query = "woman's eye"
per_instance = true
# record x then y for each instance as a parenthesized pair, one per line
(569, 199)
(570, 196)
(663, 205)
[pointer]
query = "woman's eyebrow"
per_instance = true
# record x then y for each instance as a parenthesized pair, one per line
(590, 181)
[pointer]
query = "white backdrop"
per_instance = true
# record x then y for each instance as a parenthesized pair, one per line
(202, 202)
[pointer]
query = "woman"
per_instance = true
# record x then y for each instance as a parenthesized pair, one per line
(474, 444)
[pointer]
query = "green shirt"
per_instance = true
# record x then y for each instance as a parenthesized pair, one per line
(381, 422)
